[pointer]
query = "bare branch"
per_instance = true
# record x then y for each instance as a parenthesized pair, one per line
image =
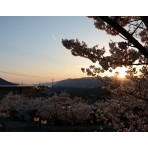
(122, 37)
(135, 64)
(145, 20)
(139, 26)
(136, 28)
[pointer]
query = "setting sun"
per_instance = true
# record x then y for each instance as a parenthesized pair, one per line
(121, 72)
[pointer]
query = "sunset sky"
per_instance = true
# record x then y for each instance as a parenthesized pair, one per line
(31, 50)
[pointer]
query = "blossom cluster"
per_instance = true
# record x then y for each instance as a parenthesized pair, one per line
(122, 53)
(126, 110)
(58, 107)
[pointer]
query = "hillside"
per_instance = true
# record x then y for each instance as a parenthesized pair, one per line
(4, 82)
(79, 83)
(96, 93)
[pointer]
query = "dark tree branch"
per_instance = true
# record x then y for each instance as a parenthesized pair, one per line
(145, 20)
(121, 30)
(122, 37)
(136, 28)
(136, 64)
(139, 26)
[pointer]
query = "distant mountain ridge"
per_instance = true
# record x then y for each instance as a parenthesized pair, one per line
(80, 83)
(5, 82)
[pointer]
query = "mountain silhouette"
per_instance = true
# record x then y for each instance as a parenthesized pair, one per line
(79, 83)
(4, 82)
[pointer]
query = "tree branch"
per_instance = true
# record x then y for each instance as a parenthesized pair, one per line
(136, 28)
(145, 20)
(136, 64)
(121, 30)
(122, 37)
(139, 26)
(132, 94)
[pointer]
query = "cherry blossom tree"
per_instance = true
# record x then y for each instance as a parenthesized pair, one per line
(126, 109)
(58, 109)
(132, 51)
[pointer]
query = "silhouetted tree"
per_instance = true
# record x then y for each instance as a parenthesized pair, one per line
(132, 51)
(127, 109)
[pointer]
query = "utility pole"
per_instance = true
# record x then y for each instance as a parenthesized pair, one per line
(52, 83)
(22, 89)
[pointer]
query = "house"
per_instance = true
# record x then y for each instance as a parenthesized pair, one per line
(9, 87)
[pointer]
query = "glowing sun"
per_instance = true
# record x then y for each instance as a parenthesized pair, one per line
(121, 72)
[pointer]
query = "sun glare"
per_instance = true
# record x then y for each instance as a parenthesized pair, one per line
(121, 72)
